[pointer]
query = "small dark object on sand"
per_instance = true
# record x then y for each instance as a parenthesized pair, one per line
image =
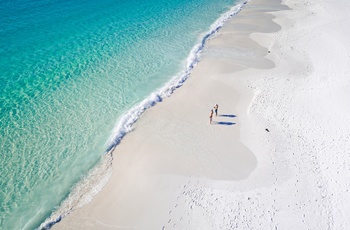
(267, 130)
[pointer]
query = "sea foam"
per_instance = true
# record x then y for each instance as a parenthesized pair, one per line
(124, 125)
(96, 179)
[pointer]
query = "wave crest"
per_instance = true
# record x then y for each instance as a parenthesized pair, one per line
(93, 183)
(124, 125)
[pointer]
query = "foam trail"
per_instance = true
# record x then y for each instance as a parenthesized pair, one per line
(83, 192)
(92, 183)
(127, 120)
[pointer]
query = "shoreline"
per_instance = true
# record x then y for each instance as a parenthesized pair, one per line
(90, 183)
(185, 173)
(126, 122)
(262, 163)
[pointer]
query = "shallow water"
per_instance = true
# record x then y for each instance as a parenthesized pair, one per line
(69, 70)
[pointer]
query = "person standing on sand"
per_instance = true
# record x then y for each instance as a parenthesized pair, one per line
(211, 116)
(216, 107)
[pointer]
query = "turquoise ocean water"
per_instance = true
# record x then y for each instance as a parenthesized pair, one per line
(74, 75)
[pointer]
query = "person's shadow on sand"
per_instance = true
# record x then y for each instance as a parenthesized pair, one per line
(225, 122)
(227, 115)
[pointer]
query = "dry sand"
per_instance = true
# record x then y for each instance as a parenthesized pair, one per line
(278, 154)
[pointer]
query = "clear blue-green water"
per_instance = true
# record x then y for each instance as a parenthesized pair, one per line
(74, 75)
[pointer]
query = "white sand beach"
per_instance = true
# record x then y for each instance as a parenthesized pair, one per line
(277, 156)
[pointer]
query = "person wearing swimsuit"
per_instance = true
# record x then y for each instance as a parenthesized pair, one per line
(216, 107)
